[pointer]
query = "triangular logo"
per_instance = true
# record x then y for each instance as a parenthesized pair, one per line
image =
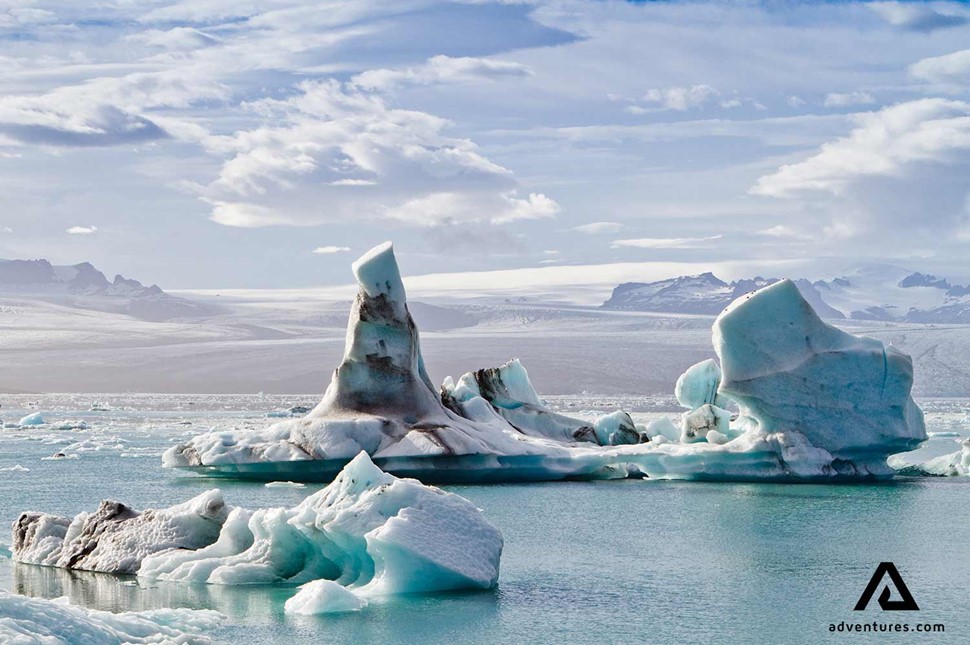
(906, 604)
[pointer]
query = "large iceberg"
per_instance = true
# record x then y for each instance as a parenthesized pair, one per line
(35, 621)
(791, 397)
(368, 531)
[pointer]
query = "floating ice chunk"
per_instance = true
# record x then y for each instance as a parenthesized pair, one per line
(933, 435)
(956, 464)
(284, 485)
(791, 372)
(34, 621)
(368, 530)
(698, 386)
(116, 538)
(35, 419)
(16, 468)
(615, 429)
(324, 597)
(662, 427)
(696, 425)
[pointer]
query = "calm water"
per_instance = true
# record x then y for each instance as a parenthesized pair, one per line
(597, 562)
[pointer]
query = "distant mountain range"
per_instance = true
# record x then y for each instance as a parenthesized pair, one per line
(83, 286)
(872, 292)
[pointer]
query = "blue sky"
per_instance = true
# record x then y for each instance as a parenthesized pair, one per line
(218, 143)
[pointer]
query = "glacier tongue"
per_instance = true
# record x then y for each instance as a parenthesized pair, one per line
(368, 531)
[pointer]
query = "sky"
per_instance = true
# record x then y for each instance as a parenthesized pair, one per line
(205, 144)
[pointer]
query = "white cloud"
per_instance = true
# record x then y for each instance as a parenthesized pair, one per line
(849, 99)
(6, 229)
(330, 250)
(595, 228)
(104, 110)
(681, 98)
(914, 16)
(883, 143)
(81, 230)
(950, 68)
(441, 69)
(177, 38)
(329, 136)
(666, 242)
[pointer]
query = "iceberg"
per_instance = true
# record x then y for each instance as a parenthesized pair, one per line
(791, 372)
(35, 621)
(789, 397)
(368, 531)
(35, 419)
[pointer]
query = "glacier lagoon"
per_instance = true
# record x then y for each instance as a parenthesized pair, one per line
(601, 561)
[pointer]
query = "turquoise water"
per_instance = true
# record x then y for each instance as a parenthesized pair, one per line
(584, 562)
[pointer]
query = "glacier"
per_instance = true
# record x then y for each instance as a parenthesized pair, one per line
(36, 621)
(789, 397)
(369, 532)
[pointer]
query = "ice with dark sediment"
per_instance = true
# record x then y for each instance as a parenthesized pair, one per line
(789, 397)
(369, 532)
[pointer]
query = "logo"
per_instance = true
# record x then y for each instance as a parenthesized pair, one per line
(906, 602)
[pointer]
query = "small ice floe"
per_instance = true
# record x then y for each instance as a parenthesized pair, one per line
(72, 424)
(285, 485)
(931, 435)
(97, 406)
(35, 419)
(15, 469)
(324, 597)
(58, 456)
(35, 620)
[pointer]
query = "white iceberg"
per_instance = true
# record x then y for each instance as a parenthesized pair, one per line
(368, 531)
(791, 372)
(955, 464)
(813, 402)
(35, 419)
(35, 621)
(324, 597)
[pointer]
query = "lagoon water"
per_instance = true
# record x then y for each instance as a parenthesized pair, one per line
(584, 562)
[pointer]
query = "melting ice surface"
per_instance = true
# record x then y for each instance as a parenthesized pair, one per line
(369, 531)
(33, 621)
(780, 562)
(792, 398)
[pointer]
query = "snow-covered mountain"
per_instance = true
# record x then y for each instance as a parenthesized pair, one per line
(701, 294)
(872, 292)
(83, 286)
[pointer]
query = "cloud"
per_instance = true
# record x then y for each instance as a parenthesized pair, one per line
(849, 99)
(6, 229)
(950, 68)
(441, 69)
(175, 39)
(329, 136)
(330, 250)
(81, 230)
(103, 111)
(666, 242)
(595, 228)
(681, 98)
(882, 144)
(912, 16)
